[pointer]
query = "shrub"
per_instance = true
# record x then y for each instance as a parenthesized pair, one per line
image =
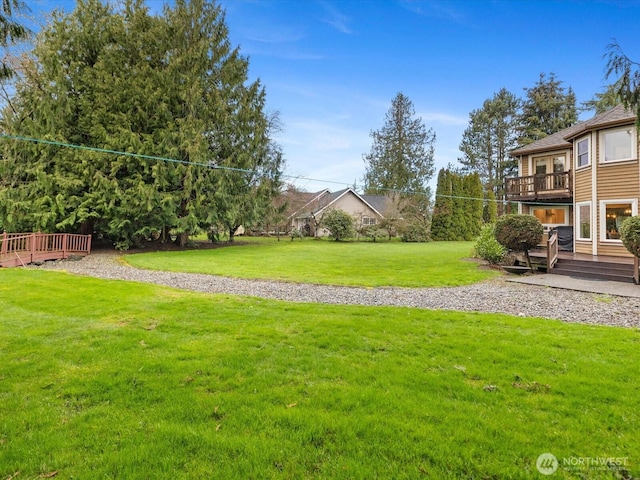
(339, 223)
(630, 235)
(373, 232)
(415, 232)
(487, 247)
(519, 233)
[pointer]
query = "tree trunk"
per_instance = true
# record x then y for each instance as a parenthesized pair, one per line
(231, 234)
(182, 239)
(526, 254)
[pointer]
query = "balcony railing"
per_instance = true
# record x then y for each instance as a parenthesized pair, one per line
(555, 185)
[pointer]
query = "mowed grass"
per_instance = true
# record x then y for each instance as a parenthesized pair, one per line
(118, 380)
(326, 262)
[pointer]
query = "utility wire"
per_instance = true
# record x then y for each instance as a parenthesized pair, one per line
(235, 169)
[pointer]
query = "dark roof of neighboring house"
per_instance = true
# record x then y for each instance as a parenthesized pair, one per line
(378, 202)
(616, 116)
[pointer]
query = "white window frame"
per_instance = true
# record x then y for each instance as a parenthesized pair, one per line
(577, 221)
(603, 217)
(369, 221)
(634, 144)
(578, 141)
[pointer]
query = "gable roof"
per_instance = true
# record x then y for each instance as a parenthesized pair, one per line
(551, 142)
(618, 115)
(560, 140)
(326, 198)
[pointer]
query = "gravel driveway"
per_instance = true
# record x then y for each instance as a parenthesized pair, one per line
(495, 296)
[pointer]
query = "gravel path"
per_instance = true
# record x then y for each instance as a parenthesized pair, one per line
(496, 296)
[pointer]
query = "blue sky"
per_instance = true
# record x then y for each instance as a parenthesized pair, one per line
(331, 68)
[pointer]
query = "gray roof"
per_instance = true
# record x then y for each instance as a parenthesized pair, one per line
(616, 116)
(325, 198)
(550, 142)
(378, 202)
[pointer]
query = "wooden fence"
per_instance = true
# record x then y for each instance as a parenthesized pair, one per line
(24, 248)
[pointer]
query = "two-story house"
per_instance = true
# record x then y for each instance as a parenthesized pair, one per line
(586, 176)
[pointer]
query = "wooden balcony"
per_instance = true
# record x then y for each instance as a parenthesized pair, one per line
(550, 186)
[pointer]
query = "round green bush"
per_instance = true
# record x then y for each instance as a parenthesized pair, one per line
(630, 235)
(487, 247)
(340, 224)
(415, 232)
(519, 232)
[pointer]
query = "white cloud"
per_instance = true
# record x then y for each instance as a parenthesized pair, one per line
(336, 19)
(444, 118)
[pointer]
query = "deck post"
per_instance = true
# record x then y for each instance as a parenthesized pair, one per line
(33, 248)
(636, 270)
(3, 249)
(65, 246)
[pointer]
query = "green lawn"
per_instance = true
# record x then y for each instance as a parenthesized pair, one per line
(326, 262)
(109, 379)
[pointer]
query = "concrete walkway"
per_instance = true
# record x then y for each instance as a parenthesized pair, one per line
(580, 284)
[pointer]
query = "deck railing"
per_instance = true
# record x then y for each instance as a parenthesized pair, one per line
(548, 185)
(552, 249)
(24, 248)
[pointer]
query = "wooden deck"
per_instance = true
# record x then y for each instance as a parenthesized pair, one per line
(23, 248)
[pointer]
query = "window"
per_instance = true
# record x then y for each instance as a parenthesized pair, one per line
(550, 216)
(368, 221)
(583, 220)
(583, 153)
(617, 145)
(612, 214)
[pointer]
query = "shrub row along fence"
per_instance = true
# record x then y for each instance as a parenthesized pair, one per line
(23, 248)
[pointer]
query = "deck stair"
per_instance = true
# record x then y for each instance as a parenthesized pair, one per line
(612, 271)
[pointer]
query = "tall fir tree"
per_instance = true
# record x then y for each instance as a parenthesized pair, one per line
(546, 109)
(401, 158)
(168, 86)
(486, 142)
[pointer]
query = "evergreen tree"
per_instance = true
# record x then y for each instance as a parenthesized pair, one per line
(11, 31)
(546, 109)
(441, 223)
(401, 157)
(627, 86)
(458, 209)
(165, 86)
(487, 141)
(604, 101)
(473, 209)
(491, 208)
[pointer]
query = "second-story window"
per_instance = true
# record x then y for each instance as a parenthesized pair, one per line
(583, 153)
(617, 145)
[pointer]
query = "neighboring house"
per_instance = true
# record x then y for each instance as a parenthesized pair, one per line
(585, 177)
(365, 209)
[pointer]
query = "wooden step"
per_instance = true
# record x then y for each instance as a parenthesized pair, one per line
(616, 272)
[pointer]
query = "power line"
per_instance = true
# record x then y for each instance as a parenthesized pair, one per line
(235, 169)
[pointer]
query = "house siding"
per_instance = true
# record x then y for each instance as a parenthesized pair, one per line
(618, 181)
(582, 189)
(594, 183)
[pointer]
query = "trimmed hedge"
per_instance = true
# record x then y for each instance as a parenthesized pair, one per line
(519, 232)
(630, 235)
